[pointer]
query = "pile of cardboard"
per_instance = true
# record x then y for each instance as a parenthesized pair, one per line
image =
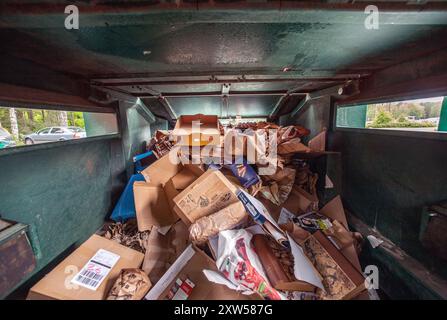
(212, 231)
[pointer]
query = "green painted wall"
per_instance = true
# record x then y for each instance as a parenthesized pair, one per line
(351, 117)
(63, 192)
(443, 116)
(387, 180)
(136, 132)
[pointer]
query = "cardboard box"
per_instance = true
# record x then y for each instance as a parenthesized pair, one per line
(342, 280)
(153, 205)
(162, 249)
(57, 284)
(154, 198)
(168, 167)
(190, 265)
(211, 192)
(197, 130)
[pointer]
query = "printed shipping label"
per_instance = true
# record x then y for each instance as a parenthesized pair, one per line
(96, 269)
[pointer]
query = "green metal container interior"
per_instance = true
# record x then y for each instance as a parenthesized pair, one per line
(150, 62)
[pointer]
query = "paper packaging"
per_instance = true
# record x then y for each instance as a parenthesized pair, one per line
(240, 266)
(335, 211)
(188, 135)
(298, 202)
(342, 280)
(296, 273)
(152, 205)
(190, 265)
(210, 225)
(307, 277)
(57, 284)
(292, 146)
(261, 216)
(167, 167)
(154, 198)
(132, 284)
(210, 193)
(163, 249)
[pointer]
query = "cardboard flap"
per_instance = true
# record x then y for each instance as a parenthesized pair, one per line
(335, 211)
(186, 176)
(171, 192)
(293, 146)
(162, 170)
(152, 206)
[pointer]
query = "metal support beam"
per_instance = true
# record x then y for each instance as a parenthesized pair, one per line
(300, 105)
(338, 91)
(224, 79)
(119, 95)
(278, 106)
(169, 109)
(219, 94)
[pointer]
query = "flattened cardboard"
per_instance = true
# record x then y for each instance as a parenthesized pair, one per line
(293, 146)
(152, 205)
(207, 133)
(211, 192)
(335, 211)
(191, 264)
(349, 270)
(56, 284)
(163, 250)
(162, 170)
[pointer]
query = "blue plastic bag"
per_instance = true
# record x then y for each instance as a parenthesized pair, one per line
(125, 208)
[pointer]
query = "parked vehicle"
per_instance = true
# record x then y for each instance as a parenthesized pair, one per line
(53, 134)
(6, 139)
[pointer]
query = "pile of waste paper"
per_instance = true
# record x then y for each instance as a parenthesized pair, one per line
(198, 227)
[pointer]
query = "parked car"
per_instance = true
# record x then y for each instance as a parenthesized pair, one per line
(53, 134)
(6, 139)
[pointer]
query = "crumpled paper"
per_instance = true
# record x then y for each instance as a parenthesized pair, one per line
(132, 284)
(127, 234)
(278, 186)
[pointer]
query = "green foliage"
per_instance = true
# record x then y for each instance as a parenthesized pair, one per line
(406, 124)
(383, 117)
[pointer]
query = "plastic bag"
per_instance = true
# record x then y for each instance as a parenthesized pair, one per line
(239, 263)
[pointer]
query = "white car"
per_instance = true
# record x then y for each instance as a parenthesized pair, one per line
(52, 134)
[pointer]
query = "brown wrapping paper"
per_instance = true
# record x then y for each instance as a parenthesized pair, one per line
(210, 225)
(132, 284)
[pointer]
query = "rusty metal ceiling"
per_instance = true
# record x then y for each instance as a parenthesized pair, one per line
(179, 56)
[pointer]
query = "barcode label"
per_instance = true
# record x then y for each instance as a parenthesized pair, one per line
(96, 269)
